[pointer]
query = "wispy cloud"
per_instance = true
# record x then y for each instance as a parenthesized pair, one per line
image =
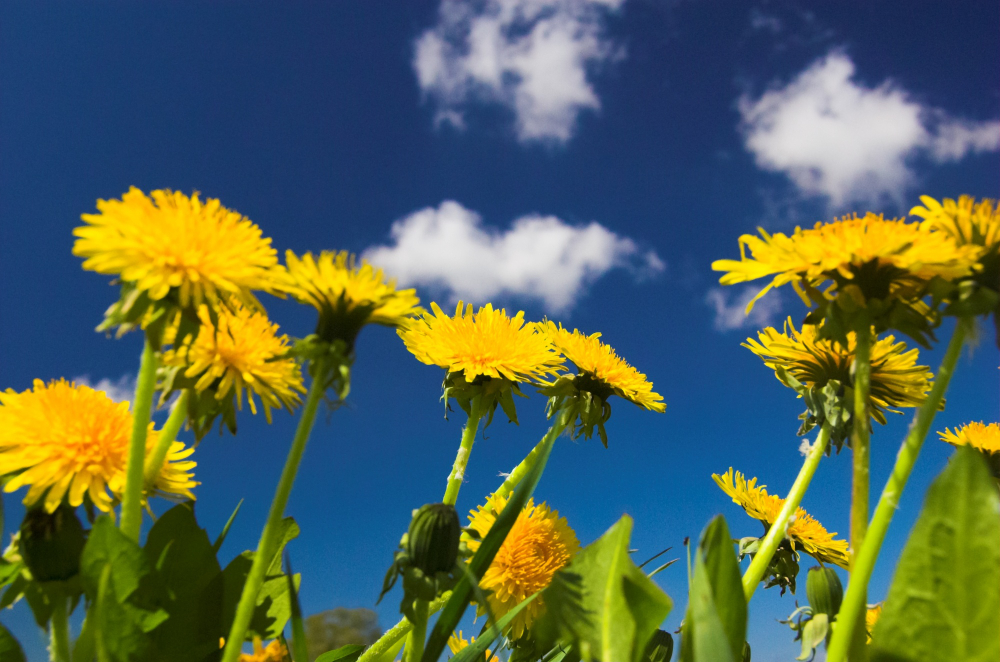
(835, 137)
(119, 390)
(538, 257)
(534, 57)
(730, 308)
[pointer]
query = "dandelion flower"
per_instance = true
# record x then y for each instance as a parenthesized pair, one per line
(65, 441)
(872, 614)
(896, 379)
(273, 652)
(980, 436)
(845, 251)
(347, 295)
(602, 369)
(240, 352)
(965, 221)
(539, 544)
(804, 531)
(175, 478)
(486, 343)
(167, 241)
(456, 643)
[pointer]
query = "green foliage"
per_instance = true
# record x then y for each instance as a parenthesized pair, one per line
(715, 625)
(299, 645)
(812, 624)
(602, 605)
(477, 649)
(944, 603)
(10, 649)
(348, 653)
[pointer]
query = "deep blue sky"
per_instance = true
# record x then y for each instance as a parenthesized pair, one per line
(308, 118)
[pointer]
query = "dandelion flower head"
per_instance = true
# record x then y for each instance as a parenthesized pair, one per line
(456, 642)
(598, 362)
(872, 614)
(273, 652)
(486, 343)
(980, 436)
(804, 532)
(896, 379)
(539, 544)
(167, 240)
(965, 221)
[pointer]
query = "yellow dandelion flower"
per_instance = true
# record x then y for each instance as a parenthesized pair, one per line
(872, 615)
(844, 250)
(486, 343)
(273, 652)
(896, 379)
(539, 544)
(65, 441)
(965, 221)
(346, 295)
(175, 478)
(456, 643)
(598, 362)
(980, 436)
(167, 241)
(804, 531)
(240, 352)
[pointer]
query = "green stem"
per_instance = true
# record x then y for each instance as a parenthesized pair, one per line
(142, 405)
(59, 630)
(83, 649)
(457, 475)
(860, 439)
(418, 635)
(522, 469)
(854, 602)
(268, 538)
(392, 636)
(168, 434)
(776, 533)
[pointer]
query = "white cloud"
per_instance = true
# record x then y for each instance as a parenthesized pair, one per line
(835, 137)
(530, 56)
(730, 310)
(120, 390)
(539, 257)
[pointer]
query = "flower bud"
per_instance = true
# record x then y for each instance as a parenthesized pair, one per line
(824, 591)
(659, 648)
(432, 541)
(51, 544)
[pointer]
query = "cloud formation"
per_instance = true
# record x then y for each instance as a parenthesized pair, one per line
(539, 257)
(835, 137)
(533, 57)
(730, 308)
(120, 390)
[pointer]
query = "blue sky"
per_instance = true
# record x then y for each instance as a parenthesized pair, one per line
(581, 160)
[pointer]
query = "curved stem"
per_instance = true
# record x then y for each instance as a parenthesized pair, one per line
(142, 405)
(392, 636)
(860, 439)
(776, 533)
(84, 648)
(415, 639)
(854, 603)
(265, 548)
(168, 434)
(59, 630)
(457, 475)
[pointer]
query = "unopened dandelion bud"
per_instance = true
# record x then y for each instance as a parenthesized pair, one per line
(51, 544)
(824, 591)
(660, 647)
(432, 540)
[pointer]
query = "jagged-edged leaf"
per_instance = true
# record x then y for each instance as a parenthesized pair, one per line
(944, 602)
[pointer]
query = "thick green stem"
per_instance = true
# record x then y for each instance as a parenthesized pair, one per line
(776, 533)
(522, 469)
(392, 636)
(142, 405)
(268, 539)
(84, 648)
(418, 635)
(59, 630)
(860, 438)
(854, 604)
(168, 435)
(457, 475)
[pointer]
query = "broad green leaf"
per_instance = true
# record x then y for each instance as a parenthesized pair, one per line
(486, 639)
(10, 650)
(186, 564)
(348, 653)
(944, 602)
(716, 621)
(602, 604)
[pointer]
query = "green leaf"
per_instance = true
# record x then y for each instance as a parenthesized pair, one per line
(479, 647)
(715, 625)
(186, 564)
(944, 603)
(10, 650)
(602, 604)
(225, 530)
(299, 645)
(348, 653)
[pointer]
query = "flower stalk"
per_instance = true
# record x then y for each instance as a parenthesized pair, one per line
(142, 405)
(860, 437)
(853, 607)
(415, 639)
(265, 548)
(383, 647)
(776, 533)
(521, 470)
(59, 630)
(168, 435)
(457, 475)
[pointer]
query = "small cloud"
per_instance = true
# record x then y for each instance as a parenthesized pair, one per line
(539, 257)
(534, 57)
(120, 390)
(835, 137)
(730, 309)
(765, 22)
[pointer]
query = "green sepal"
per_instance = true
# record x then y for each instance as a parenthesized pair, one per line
(335, 356)
(493, 392)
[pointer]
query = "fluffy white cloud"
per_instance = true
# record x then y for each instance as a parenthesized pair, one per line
(531, 56)
(838, 138)
(120, 390)
(539, 257)
(730, 308)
